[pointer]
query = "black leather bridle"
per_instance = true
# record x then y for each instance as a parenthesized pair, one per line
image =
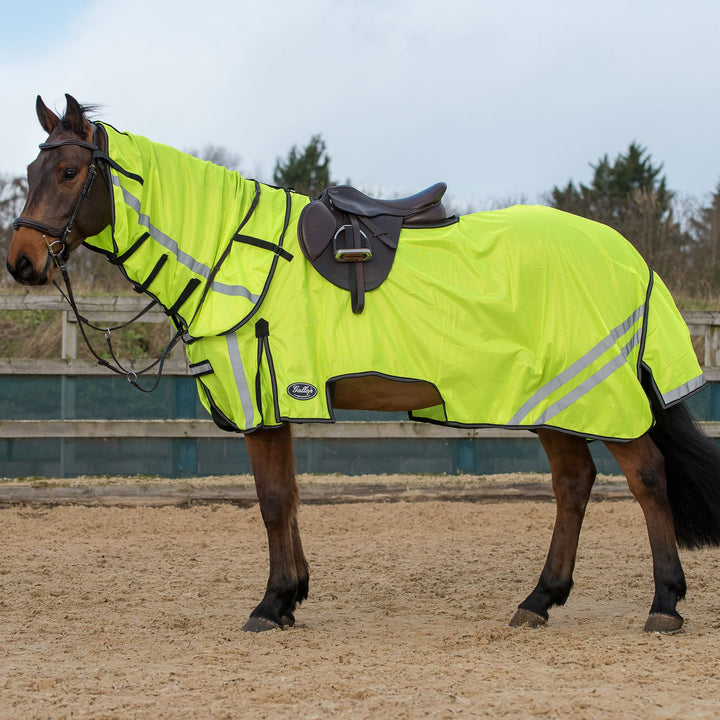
(58, 252)
(58, 249)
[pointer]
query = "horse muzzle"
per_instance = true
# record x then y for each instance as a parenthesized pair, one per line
(29, 262)
(24, 272)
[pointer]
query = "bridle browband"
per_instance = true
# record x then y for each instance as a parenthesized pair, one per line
(60, 256)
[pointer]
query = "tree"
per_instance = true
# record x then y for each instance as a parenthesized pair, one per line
(305, 171)
(13, 191)
(631, 195)
(218, 155)
(705, 232)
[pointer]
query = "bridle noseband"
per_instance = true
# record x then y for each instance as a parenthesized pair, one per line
(60, 253)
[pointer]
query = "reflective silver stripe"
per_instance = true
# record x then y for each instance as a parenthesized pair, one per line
(592, 382)
(234, 290)
(200, 368)
(679, 393)
(240, 380)
(182, 257)
(577, 367)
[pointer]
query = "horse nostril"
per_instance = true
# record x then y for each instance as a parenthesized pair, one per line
(23, 270)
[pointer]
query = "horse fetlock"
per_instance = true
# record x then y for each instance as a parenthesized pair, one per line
(287, 620)
(547, 594)
(559, 592)
(663, 615)
(303, 588)
(278, 605)
(668, 592)
(679, 585)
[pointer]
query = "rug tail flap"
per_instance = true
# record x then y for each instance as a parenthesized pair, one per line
(668, 351)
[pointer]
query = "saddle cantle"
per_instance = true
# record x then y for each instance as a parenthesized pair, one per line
(351, 239)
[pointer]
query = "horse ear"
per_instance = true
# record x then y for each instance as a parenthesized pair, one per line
(74, 115)
(48, 119)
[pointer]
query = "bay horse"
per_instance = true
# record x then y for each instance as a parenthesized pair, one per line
(85, 188)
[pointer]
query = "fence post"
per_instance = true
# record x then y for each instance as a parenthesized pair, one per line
(69, 336)
(712, 346)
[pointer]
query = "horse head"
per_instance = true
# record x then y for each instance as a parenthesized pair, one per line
(64, 205)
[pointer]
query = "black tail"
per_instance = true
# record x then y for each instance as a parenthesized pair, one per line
(692, 467)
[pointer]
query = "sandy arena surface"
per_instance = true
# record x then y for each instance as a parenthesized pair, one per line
(135, 612)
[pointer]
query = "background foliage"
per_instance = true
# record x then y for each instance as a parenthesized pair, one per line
(679, 237)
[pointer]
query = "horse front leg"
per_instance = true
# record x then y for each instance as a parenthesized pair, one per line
(271, 456)
(573, 475)
(644, 467)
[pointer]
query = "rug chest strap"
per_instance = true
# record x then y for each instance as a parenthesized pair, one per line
(264, 244)
(120, 259)
(184, 295)
(142, 287)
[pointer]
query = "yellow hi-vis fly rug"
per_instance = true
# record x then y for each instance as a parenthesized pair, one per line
(525, 317)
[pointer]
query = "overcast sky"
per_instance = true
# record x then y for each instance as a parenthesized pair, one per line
(502, 99)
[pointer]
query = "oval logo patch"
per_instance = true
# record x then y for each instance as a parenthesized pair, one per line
(302, 391)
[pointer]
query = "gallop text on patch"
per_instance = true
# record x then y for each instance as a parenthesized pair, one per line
(302, 391)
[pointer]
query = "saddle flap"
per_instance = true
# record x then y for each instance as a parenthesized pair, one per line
(316, 230)
(385, 228)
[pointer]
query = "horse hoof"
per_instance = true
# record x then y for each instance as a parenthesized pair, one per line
(258, 624)
(527, 618)
(666, 624)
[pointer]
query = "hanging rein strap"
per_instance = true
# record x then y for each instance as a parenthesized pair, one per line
(131, 375)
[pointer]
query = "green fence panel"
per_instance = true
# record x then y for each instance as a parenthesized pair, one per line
(38, 397)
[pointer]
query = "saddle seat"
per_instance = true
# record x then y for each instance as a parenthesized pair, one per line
(351, 238)
(421, 208)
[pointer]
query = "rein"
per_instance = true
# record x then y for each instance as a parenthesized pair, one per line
(58, 253)
(131, 375)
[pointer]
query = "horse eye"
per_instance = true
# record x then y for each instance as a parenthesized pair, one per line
(69, 174)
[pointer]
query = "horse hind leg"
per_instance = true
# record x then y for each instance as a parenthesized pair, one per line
(573, 475)
(644, 467)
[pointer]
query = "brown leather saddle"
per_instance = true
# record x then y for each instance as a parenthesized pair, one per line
(351, 239)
